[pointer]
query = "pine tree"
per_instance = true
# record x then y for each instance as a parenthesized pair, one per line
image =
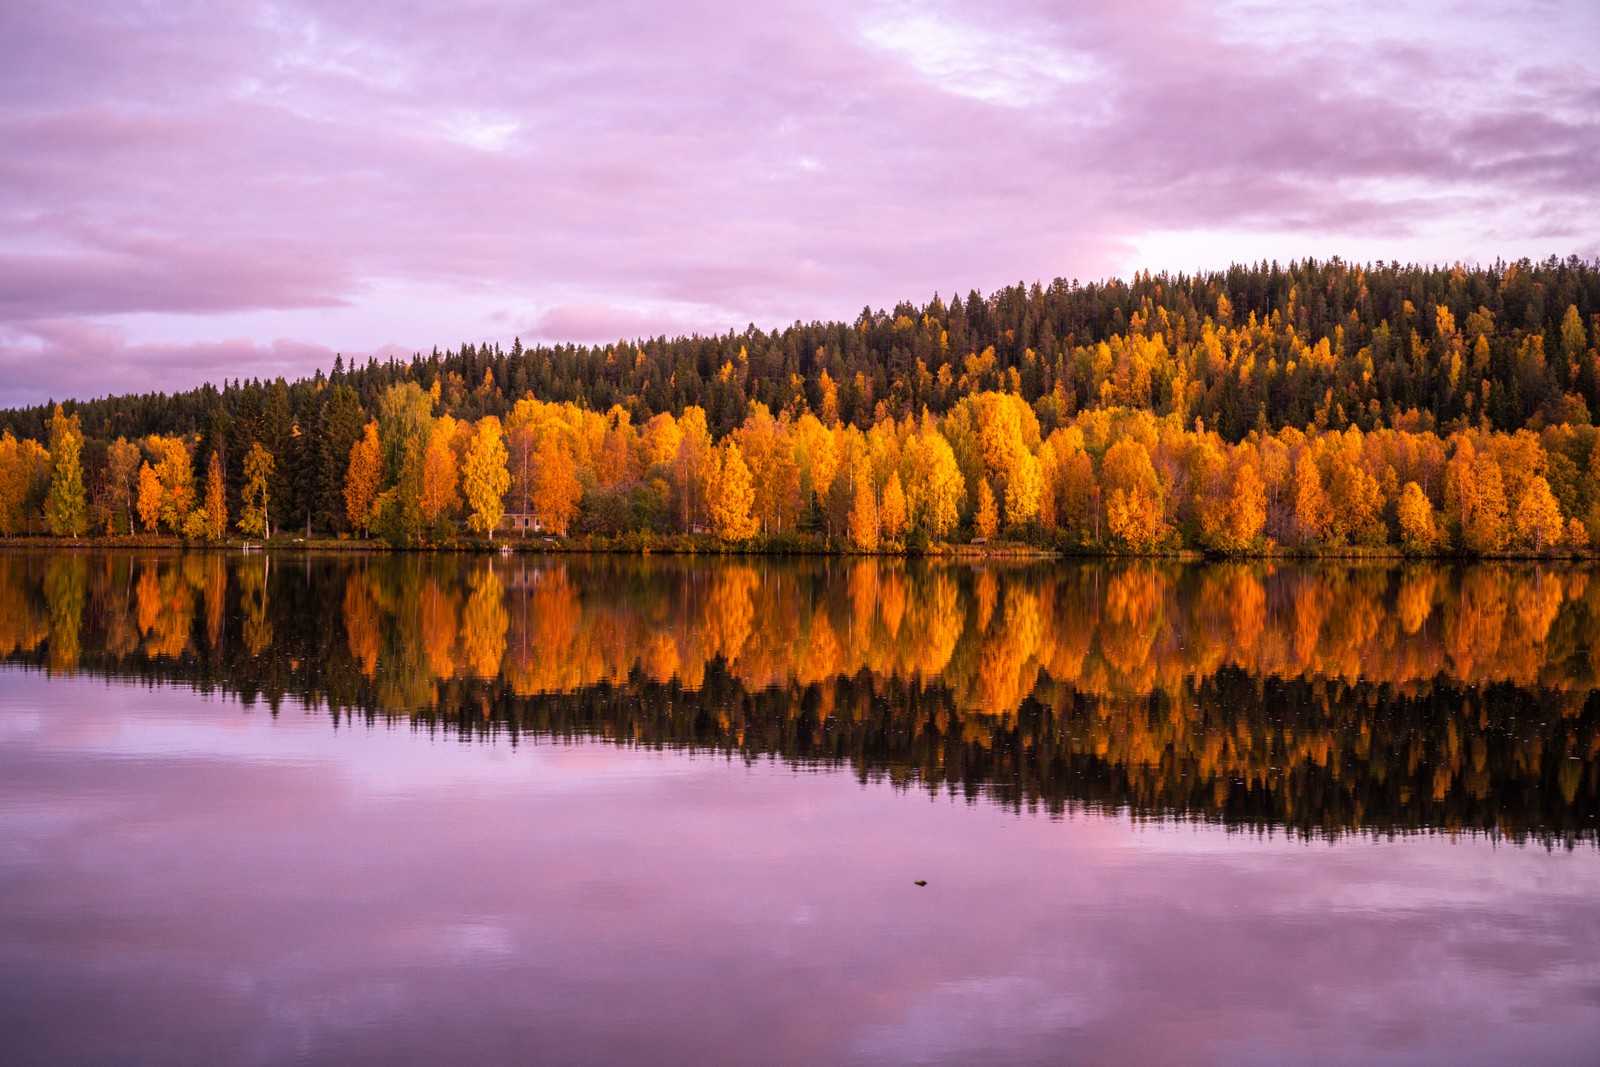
(341, 422)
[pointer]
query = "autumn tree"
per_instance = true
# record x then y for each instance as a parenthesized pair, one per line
(1072, 489)
(555, 485)
(485, 478)
(1311, 516)
(216, 501)
(439, 472)
(175, 478)
(1024, 490)
(733, 496)
(1245, 512)
(934, 487)
(254, 520)
(892, 510)
(18, 462)
(1418, 532)
(863, 516)
(986, 519)
(1486, 529)
(1539, 524)
(363, 478)
(66, 506)
(121, 476)
(692, 468)
(1133, 497)
(149, 497)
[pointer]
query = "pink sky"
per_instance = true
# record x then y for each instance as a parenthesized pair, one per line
(195, 191)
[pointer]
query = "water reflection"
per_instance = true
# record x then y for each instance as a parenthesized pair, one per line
(1322, 699)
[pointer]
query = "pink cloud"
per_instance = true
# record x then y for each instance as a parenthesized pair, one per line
(601, 323)
(73, 358)
(742, 163)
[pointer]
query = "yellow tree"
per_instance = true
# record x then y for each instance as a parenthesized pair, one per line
(216, 507)
(936, 488)
(1354, 499)
(176, 475)
(816, 450)
(1024, 488)
(1418, 531)
(863, 518)
(1310, 502)
(122, 472)
(733, 497)
(1487, 527)
(1133, 497)
(149, 500)
(987, 518)
(439, 472)
(892, 511)
(485, 478)
(556, 489)
(1538, 519)
(66, 506)
(362, 479)
(693, 468)
(13, 485)
(1209, 487)
(1461, 489)
(1247, 505)
(253, 500)
(1073, 489)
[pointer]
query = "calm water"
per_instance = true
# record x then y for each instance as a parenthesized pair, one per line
(416, 810)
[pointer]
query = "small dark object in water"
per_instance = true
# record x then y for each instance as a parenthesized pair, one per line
(922, 881)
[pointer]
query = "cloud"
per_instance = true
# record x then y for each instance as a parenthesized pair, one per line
(600, 323)
(748, 163)
(72, 358)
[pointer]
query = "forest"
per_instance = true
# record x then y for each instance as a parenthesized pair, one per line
(1317, 407)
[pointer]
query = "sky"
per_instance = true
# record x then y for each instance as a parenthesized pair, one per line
(194, 191)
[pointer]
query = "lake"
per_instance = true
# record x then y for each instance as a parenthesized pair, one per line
(430, 809)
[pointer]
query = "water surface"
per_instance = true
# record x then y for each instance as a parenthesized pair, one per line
(408, 809)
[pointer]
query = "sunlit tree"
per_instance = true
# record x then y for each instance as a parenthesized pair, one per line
(363, 479)
(66, 506)
(733, 496)
(484, 477)
(254, 520)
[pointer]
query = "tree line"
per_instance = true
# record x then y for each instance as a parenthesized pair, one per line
(1313, 407)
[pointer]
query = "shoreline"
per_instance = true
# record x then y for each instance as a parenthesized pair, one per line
(702, 545)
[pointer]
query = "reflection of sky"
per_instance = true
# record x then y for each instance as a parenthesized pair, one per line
(183, 881)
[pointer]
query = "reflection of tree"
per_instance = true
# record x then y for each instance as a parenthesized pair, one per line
(258, 628)
(361, 624)
(483, 625)
(65, 588)
(1321, 698)
(165, 609)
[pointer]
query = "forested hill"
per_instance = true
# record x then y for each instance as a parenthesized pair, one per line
(1330, 345)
